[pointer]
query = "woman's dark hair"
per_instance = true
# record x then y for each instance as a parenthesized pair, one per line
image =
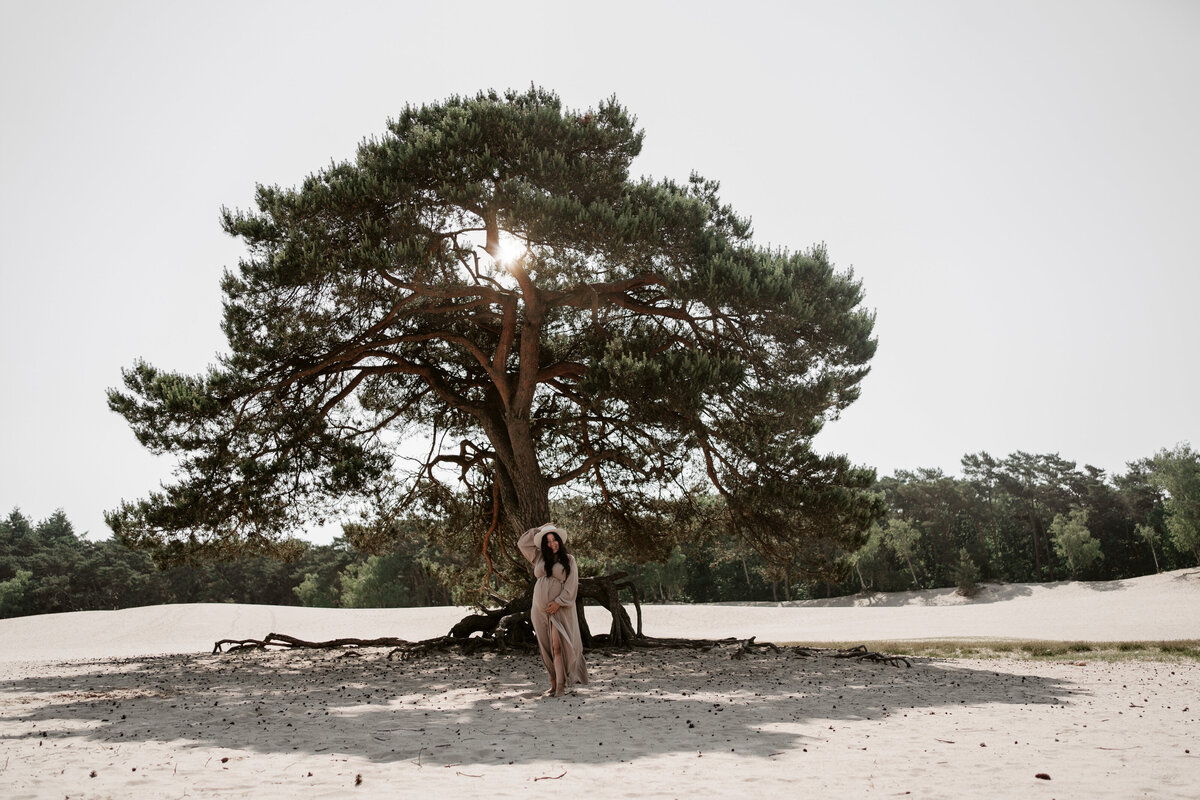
(549, 556)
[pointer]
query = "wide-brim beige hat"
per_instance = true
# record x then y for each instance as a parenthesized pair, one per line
(547, 528)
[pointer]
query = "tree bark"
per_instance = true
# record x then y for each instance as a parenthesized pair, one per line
(524, 492)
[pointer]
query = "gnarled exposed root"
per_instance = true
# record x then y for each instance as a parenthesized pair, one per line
(282, 640)
(509, 627)
(405, 650)
(863, 654)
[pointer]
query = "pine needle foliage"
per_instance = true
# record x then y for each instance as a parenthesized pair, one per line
(487, 279)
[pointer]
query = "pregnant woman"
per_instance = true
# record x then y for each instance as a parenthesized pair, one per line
(553, 611)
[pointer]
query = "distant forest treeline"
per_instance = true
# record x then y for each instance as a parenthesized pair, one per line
(1024, 518)
(46, 568)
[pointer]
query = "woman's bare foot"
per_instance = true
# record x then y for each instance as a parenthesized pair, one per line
(553, 691)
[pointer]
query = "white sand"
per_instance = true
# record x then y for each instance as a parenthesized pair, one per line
(135, 697)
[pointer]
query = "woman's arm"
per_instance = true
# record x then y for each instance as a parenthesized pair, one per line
(527, 547)
(570, 586)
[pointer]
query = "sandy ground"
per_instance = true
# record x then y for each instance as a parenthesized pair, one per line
(132, 704)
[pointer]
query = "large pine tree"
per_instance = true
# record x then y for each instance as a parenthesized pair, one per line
(486, 277)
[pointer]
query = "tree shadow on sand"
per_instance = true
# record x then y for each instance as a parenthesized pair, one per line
(453, 709)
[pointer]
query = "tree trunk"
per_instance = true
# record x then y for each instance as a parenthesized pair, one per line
(1037, 550)
(912, 572)
(1147, 533)
(524, 491)
(862, 583)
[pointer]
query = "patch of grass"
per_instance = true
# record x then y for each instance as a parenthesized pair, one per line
(1170, 651)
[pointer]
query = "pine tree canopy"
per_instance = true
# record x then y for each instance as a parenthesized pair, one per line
(486, 279)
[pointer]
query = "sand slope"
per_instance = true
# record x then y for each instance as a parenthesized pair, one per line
(87, 710)
(1165, 606)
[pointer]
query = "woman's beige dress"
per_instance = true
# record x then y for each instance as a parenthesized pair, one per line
(553, 587)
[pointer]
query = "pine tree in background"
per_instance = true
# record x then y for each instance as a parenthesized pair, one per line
(966, 574)
(1177, 472)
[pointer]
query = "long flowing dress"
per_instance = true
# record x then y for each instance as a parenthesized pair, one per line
(560, 589)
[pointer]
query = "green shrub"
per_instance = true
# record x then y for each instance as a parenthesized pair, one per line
(966, 574)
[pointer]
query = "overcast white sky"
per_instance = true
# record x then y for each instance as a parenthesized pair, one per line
(1017, 185)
